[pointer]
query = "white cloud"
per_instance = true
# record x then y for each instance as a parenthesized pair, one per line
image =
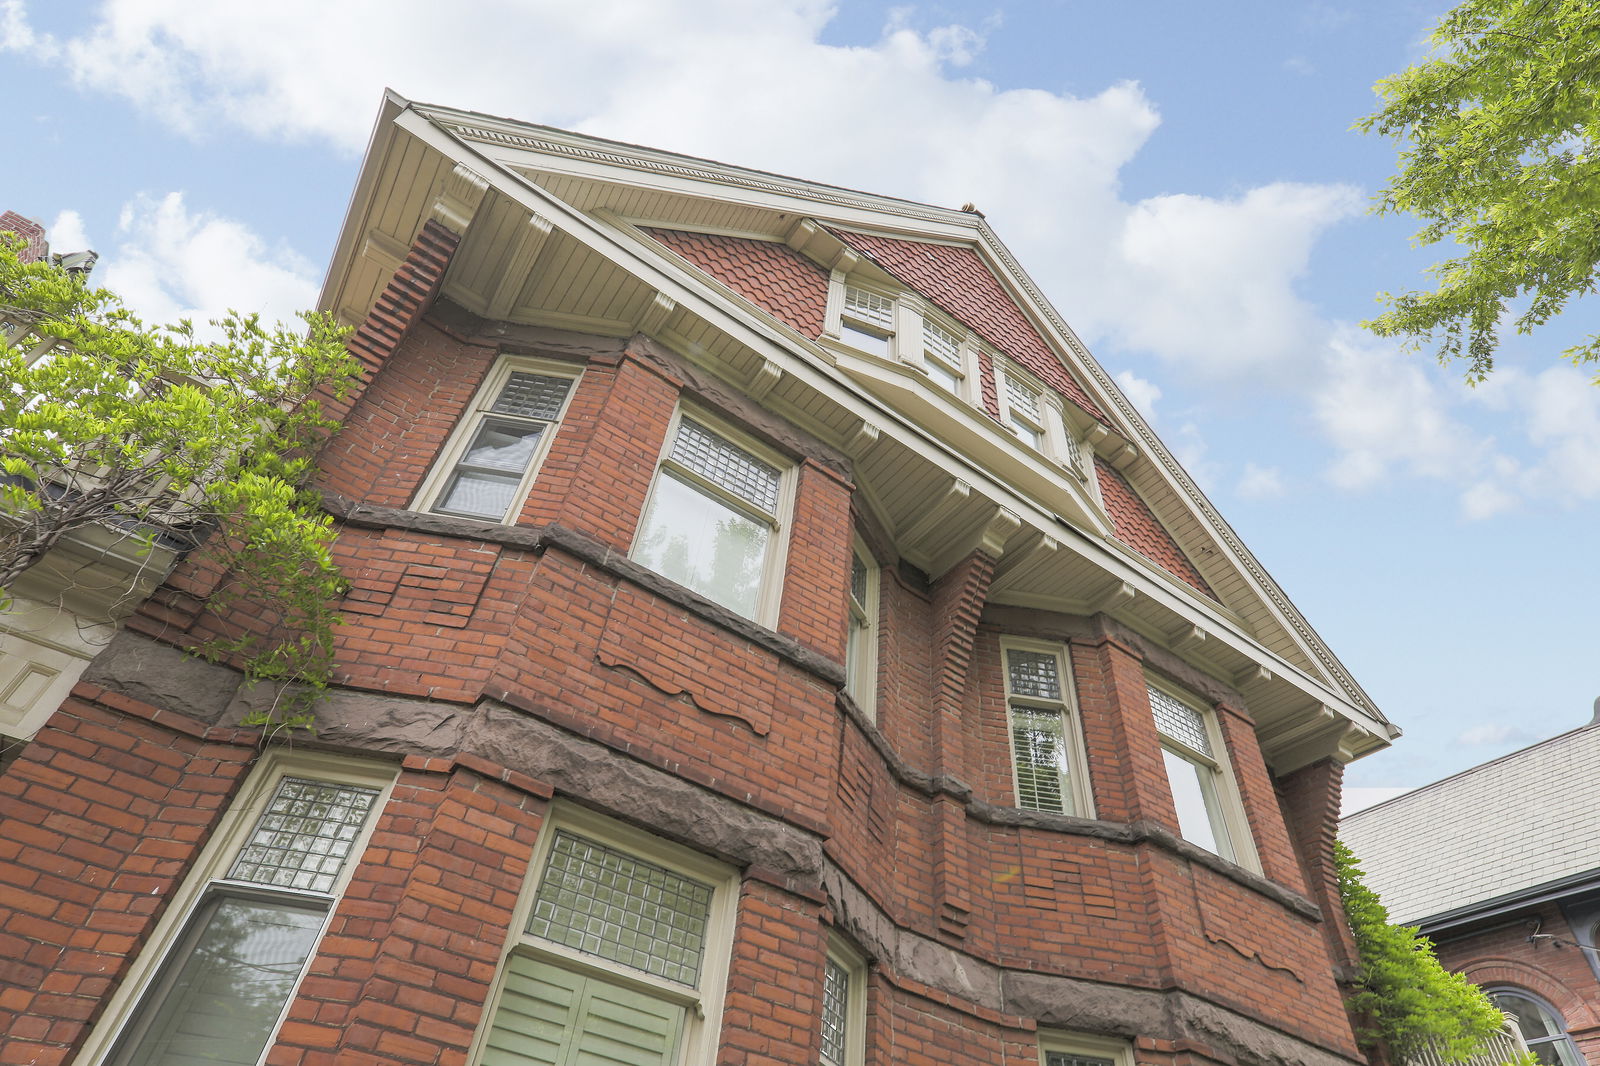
(1359, 799)
(1260, 482)
(1493, 734)
(67, 233)
(1141, 393)
(169, 262)
(1203, 283)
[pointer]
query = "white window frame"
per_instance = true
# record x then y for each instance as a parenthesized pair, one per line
(1078, 795)
(843, 956)
(772, 571)
(1565, 1048)
(1224, 808)
(849, 319)
(429, 496)
(209, 881)
(1012, 415)
(861, 648)
(1063, 445)
(703, 1003)
(1118, 1052)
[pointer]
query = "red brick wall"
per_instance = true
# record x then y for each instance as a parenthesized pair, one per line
(101, 816)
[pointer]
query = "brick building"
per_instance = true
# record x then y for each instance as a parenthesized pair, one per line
(771, 638)
(1497, 865)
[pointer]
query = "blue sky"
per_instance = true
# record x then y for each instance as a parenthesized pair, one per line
(1181, 178)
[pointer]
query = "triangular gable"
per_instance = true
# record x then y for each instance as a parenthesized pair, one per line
(957, 281)
(772, 276)
(1137, 527)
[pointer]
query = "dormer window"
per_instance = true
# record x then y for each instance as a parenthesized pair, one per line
(941, 350)
(1020, 409)
(866, 320)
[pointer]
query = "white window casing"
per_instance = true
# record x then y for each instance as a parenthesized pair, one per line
(844, 1006)
(716, 518)
(1210, 814)
(619, 952)
(868, 320)
(493, 455)
(1022, 410)
(1078, 1049)
(861, 648)
(1049, 763)
(221, 967)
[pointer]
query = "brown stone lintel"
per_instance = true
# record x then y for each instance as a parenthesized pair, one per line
(809, 890)
(1142, 832)
(598, 555)
(477, 764)
(955, 977)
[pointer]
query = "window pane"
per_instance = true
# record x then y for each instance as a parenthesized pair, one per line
(942, 346)
(1029, 435)
(1181, 722)
(1022, 398)
(1194, 792)
(479, 495)
(238, 965)
(533, 395)
(503, 445)
(835, 1013)
(1062, 1058)
(950, 382)
(703, 544)
(858, 581)
(609, 904)
(865, 340)
(1041, 752)
(1033, 673)
(727, 466)
(304, 836)
(869, 306)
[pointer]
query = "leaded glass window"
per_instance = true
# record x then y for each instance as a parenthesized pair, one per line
(496, 448)
(1046, 750)
(712, 519)
(607, 903)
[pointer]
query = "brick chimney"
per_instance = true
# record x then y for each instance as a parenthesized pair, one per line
(28, 230)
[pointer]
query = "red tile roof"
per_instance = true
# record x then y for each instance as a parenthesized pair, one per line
(30, 231)
(770, 275)
(1137, 527)
(956, 281)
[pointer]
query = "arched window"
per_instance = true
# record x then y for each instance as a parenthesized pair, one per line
(1541, 1027)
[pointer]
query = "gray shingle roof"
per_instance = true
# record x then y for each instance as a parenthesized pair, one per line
(1523, 820)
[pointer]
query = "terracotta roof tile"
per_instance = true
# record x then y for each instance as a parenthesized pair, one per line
(773, 276)
(28, 230)
(1137, 527)
(957, 282)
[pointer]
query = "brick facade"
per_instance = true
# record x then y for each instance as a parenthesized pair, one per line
(501, 671)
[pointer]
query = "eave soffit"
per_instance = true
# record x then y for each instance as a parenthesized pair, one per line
(503, 150)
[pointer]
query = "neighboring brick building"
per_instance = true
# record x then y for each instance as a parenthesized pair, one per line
(771, 638)
(1499, 866)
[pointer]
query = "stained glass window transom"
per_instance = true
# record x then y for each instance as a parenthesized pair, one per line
(304, 836)
(727, 465)
(609, 904)
(1179, 721)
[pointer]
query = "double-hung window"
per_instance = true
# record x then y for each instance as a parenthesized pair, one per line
(1208, 812)
(223, 965)
(942, 359)
(844, 995)
(1021, 408)
(490, 462)
(866, 321)
(861, 649)
(620, 959)
(712, 522)
(1049, 764)
(1073, 1049)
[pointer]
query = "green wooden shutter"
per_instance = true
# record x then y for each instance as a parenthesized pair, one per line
(548, 1016)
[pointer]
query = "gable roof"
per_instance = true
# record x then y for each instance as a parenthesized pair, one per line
(1137, 527)
(956, 280)
(1502, 829)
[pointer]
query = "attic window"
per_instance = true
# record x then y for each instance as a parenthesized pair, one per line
(866, 321)
(942, 349)
(1020, 401)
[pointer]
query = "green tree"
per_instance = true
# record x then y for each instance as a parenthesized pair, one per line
(157, 433)
(1414, 1003)
(1500, 153)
